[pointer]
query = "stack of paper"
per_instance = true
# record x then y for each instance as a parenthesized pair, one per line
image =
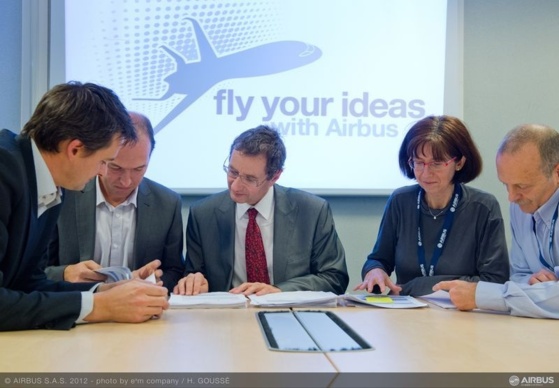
(439, 298)
(208, 300)
(386, 301)
(295, 299)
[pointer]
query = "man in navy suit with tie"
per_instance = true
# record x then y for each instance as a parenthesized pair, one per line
(73, 133)
(259, 237)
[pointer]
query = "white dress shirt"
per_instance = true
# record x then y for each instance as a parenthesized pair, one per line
(114, 230)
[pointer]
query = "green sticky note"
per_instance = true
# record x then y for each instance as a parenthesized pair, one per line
(379, 299)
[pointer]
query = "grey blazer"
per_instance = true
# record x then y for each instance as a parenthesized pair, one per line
(308, 254)
(159, 231)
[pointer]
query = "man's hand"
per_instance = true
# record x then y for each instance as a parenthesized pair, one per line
(191, 284)
(544, 275)
(462, 294)
(377, 276)
(129, 301)
(145, 271)
(254, 288)
(84, 271)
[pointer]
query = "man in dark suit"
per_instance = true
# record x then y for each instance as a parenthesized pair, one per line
(73, 133)
(301, 247)
(120, 219)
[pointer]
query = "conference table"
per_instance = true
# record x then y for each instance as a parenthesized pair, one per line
(408, 345)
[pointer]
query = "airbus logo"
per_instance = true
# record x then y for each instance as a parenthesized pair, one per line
(193, 79)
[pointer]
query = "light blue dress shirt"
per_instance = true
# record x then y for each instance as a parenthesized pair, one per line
(540, 300)
(526, 248)
(530, 236)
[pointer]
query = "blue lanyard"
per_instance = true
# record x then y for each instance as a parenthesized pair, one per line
(551, 237)
(448, 220)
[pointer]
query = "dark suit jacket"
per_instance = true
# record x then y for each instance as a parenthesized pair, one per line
(28, 300)
(159, 231)
(308, 254)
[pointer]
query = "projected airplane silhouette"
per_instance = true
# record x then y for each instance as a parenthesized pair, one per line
(195, 78)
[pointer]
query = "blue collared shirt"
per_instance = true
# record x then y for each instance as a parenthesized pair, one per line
(525, 250)
(540, 300)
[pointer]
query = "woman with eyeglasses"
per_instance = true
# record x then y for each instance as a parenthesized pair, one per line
(440, 228)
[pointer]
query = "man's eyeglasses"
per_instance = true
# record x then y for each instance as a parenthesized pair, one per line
(433, 166)
(248, 180)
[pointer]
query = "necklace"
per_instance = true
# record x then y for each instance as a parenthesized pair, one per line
(435, 215)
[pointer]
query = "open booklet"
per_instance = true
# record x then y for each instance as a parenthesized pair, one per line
(280, 299)
(384, 301)
(309, 331)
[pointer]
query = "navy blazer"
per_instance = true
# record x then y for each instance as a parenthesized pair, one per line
(159, 231)
(308, 254)
(28, 300)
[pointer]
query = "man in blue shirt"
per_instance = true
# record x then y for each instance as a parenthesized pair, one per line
(528, 165)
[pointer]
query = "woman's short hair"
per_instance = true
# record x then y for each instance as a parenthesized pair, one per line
(448, 138)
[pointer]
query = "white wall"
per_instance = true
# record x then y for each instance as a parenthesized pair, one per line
(10, 64)
(510, 74)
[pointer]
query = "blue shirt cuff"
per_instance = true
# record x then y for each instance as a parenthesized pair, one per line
(490, 296)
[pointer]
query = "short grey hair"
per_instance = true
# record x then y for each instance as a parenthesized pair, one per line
(545, 138)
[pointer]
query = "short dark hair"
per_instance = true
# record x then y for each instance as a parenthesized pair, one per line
(262, 140)
(143, 124)
(545, 138)
(90, 113)
(449, 138)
